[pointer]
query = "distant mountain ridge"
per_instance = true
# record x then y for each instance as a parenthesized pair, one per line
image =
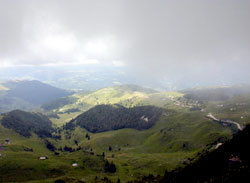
(216, 93)
(27, 94)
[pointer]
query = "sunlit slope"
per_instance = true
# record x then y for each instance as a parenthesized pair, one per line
(132, 95)
(125, 95)
(111, 95)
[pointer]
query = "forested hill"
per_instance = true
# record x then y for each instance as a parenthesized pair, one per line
(113, 117)
(25, 123)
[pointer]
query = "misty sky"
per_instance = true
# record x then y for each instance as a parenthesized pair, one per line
(184, 39)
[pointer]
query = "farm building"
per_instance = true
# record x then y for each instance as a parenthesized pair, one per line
(7, 141)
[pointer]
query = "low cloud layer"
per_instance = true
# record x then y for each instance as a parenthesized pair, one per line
(163, 39)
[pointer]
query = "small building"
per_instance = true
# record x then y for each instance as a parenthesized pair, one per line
(74, 164)
(43, 158)
(7, 141)
(235, 159)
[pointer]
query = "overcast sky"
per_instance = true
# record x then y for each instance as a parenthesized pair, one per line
(198, 38)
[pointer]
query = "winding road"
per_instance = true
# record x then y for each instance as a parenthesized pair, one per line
(211, 116)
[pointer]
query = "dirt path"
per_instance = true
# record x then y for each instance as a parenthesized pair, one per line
(211, 116)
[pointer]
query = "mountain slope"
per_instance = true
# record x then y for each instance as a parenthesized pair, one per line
(27, 94)
(229, 163)
(113, 117)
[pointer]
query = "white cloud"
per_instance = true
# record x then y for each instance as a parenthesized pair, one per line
(59, 43)
(96, 47)
(118, 63)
